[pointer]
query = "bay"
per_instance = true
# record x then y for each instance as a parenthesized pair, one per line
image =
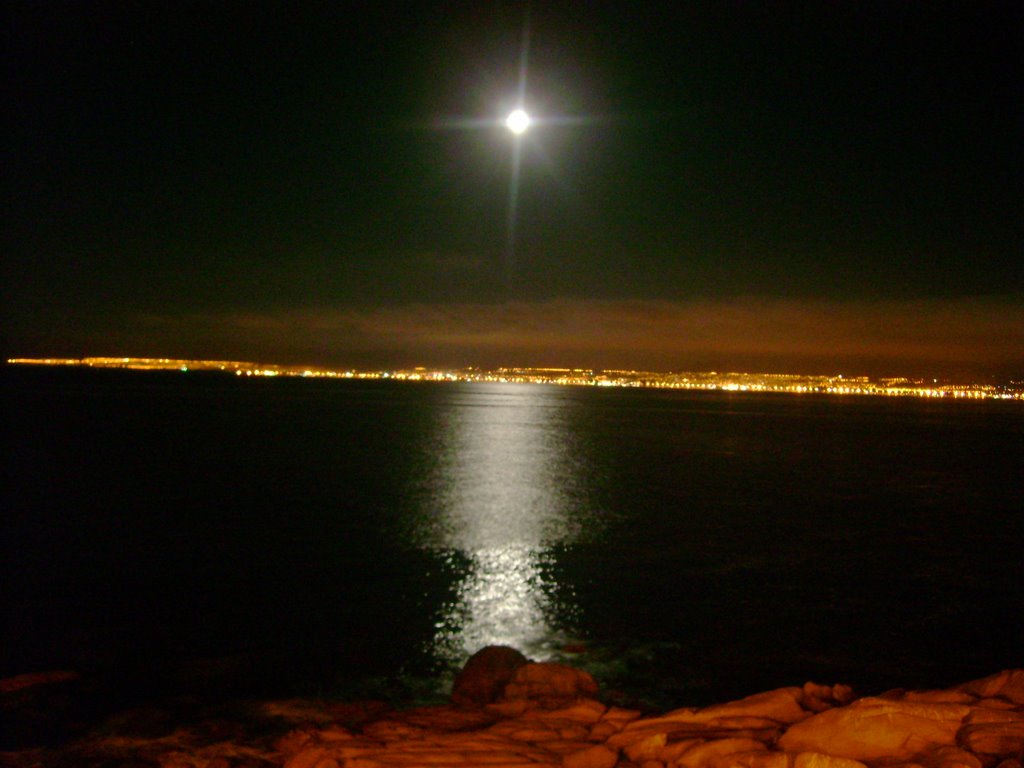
(362, 538)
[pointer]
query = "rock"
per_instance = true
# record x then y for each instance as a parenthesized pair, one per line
(1008, 684)
(873, 728)
(620, 716)
(510, 708)
(993, 733)
(818, 760)
(35, 679)
(710, 753)
(613, 721)
(1005, 739)
(673, 749)
(950, 757)
(682, 731)
(357, 713)
(563, 746)
(762, 710)
(44, 709)
(818, 698)
(987, 715)
(142, 722)
(583, 711)
(604, 730)
(552, 721)
(550, 681)
(760, 759)
(781, 705)
(574, 731)
(598, 756)
(307, 758)
(447, 718)
(293, 741)
(485, 675)
(305, 711)
(334, 733)
(646, 749)
(995, 704)
(390, 730)
(531, 732)
(931, 697)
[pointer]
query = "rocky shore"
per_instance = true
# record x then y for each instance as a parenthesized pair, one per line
(507, 712)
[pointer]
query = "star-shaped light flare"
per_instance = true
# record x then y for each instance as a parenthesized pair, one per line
(519, 122)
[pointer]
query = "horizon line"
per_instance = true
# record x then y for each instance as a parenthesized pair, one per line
(731, 381)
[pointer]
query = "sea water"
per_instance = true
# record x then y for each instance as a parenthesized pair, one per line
(362, 538)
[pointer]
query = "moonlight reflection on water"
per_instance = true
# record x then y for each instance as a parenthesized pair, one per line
(505, 489)
(503, 600)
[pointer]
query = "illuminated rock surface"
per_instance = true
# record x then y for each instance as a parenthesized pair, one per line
(486, 674)
(874, 728)
(551, 715)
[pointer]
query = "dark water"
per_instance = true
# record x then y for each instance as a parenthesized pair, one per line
(335, 537)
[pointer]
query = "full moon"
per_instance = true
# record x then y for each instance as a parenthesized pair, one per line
(518, 121)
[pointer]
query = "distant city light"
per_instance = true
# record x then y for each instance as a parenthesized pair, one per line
(518, 121)
(706, 380)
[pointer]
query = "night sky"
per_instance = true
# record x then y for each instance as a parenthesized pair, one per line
(830, 187)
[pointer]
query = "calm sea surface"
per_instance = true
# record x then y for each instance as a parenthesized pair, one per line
(363, 538)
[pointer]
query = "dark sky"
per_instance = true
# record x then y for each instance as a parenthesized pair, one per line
(809, 187)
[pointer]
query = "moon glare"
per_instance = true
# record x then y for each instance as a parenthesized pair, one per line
(518, 121)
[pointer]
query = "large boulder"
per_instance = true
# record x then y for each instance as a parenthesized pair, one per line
(550, 681)
(873, 728)
(486, 674)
